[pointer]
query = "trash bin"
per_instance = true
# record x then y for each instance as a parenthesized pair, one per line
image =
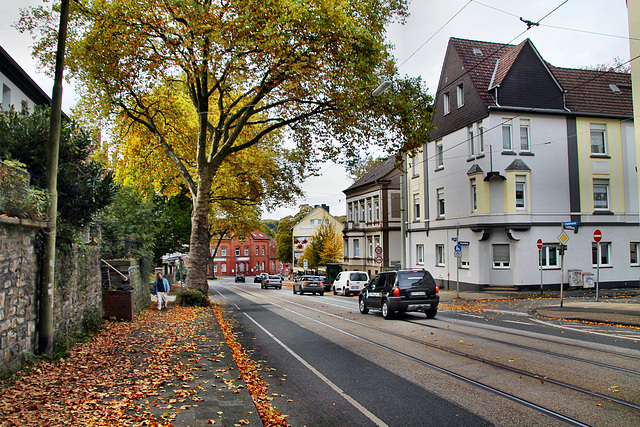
(575, 278)
(587, 280)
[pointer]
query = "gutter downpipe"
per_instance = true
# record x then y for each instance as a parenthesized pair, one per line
(403, 213)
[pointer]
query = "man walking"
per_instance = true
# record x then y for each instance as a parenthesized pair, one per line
(160, 289)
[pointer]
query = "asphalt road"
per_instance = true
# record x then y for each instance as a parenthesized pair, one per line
(494, 364)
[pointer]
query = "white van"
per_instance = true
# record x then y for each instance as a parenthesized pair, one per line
(348, 282)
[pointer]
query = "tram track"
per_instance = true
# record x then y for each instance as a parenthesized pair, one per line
(466, 355)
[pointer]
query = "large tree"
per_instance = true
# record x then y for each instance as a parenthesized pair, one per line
(300, 70)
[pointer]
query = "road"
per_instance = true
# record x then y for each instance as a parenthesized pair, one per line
(493, 364)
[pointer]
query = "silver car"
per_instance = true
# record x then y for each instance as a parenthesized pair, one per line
(309, 284)
(271, 281)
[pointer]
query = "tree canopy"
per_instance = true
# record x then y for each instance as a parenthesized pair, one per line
(326, 246)
(256, 72)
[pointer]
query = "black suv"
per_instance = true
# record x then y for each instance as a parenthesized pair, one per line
(402, 290)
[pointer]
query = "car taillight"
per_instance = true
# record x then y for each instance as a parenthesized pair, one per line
(347, 283)
(304, 283)
(437, 289)
(396, 291)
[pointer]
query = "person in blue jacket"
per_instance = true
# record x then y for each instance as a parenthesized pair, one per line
(160, 289)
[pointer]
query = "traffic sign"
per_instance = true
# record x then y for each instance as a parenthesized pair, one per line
(378, 250)
(379, 259)
(570, 225)
(457, 254)
(463, 243)
(457, 248)
(597, 236)
(539, 243)
(563, 238)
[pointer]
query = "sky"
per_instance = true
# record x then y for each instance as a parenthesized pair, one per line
(571, 33)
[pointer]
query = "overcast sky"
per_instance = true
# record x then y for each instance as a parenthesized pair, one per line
(573, 34)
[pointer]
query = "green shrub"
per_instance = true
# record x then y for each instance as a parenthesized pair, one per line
(192, 298)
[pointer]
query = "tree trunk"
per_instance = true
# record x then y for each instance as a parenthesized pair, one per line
(199, 242)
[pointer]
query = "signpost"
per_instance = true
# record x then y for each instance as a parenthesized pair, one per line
(458, 254)
(539, 245)
(597, 237)
(563, 246)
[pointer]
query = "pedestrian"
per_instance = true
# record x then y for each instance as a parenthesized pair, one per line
(160, 289)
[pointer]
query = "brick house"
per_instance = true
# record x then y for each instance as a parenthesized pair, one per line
(250, 255)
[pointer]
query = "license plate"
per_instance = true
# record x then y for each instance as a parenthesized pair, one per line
(418, 294)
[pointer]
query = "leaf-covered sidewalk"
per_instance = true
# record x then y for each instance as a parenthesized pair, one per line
(172, 367)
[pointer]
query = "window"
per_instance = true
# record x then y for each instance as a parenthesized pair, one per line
(377, 241)
(601, 194)
(633, 253)
(460, 95)
(6, 97)
(223, 268)
(420, 254)
(346, 248)
(474, 196)
(257, 250)
(464, 258)
(376, 209)
(506, 134)
(445, 100)
(521, 185)
(440, 202)
(370, 244)
(481, 137)
(416, 207)
(549, 256)
(263, 250)
(471, 141)
(524, 135)
(440, 255)
(604, 254)
(246, 251)
(356, 248)
(350, 215)
(237, 251)
(223, 251)
(362, 211)
(501, 257)
(369, 211)
(598, 138)
(439, 155)
(355, 212)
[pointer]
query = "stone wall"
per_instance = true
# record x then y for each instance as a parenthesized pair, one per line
(77, 294)
(18, 290)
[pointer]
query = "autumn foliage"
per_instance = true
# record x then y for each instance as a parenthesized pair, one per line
(151, 372)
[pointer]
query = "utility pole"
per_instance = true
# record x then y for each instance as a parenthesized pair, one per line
(47, 285)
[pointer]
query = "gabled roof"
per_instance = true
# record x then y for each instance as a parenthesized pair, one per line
(21, 79)
(586, 91)
(379, 172)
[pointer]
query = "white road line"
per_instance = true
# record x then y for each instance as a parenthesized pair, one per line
(519, 323)
(326, 380)
(513, 313)
(584, 331)
(471, 315)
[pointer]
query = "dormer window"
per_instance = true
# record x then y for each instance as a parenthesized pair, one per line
(477, 51)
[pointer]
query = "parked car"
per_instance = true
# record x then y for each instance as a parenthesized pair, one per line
(350, 282)
(326, 283)
(257, 279)
(240, 278)
(271, 281)
(308, 284)
(401, 290)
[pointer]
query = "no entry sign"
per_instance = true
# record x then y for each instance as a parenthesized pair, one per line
(597, 236)
(539, 243)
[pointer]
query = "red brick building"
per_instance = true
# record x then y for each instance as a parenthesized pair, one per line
(251, 255)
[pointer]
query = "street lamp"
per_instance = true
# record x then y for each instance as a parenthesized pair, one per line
(382, 88)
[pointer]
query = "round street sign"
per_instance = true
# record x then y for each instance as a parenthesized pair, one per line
(457, 248)
(379, 259)
(597, 236)
(378, 250)
(539, 243)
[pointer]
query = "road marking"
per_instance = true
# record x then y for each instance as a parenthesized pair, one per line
(519, 323)
(326, 380)
(472, 315)
(592, 332)
(513, 313)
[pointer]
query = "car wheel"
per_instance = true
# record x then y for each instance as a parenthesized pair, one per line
(280, 287)
(345, 292)
(301, 291)
(294, 290)
(362, 306)
(431, 313)
(261, 286)
(386, 313)
(321, 293)
(334, 291)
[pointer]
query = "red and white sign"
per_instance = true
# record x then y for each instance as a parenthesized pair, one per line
(379, 259)
(597, 236)
(539, 243)
(378, 250)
